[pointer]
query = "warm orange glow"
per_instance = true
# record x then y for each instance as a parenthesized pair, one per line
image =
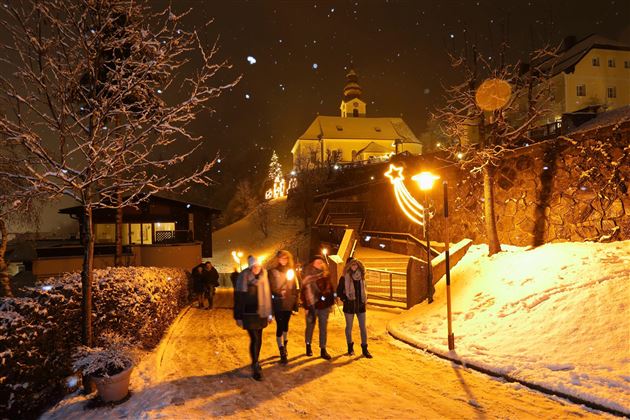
(425, 180)
(324, 251)
(290, 274)
(410, 207)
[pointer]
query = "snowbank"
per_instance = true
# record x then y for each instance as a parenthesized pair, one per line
(246, 236)
(556, 316)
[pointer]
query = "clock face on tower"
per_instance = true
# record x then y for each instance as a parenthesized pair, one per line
(356, 104)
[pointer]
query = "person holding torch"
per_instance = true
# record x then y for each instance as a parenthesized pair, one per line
(284, 295)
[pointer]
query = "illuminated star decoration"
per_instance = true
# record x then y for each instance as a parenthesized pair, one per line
(412, 209)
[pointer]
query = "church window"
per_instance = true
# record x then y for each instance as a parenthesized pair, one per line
(356, 104)
(339, 128)
(581, 90)
(611, 62)
(595, 61)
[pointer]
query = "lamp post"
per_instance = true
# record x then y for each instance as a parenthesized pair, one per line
(425, 182)
(451, 337)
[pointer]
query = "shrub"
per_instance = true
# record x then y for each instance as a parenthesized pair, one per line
(39, 334)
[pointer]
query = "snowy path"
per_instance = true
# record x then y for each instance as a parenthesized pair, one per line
(201, 369)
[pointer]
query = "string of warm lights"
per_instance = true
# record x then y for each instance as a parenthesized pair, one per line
(412, 209)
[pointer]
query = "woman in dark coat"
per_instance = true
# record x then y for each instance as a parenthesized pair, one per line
(284, 294)
(252, 308)
(318, 296)
(198, 283)
(351, 290)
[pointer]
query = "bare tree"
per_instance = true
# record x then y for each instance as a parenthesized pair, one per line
(483, 138)
(100, 96)
(261, 217)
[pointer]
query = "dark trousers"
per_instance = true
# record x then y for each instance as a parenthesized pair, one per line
(282, 322)
(210, 296)
(255, 343)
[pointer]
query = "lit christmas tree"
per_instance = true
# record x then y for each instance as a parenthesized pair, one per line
(275, 174)
(275, 168)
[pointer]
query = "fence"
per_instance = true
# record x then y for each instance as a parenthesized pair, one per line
(383, 284)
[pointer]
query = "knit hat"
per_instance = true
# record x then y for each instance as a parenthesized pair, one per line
(252, 261)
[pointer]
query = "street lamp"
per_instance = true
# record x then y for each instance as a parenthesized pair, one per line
(425, 181)
(418, 214)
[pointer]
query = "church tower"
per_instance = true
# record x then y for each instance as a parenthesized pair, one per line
(351, 104)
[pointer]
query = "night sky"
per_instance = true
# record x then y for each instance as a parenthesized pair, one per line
(398, 48)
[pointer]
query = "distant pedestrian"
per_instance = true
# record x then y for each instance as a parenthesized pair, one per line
(211, 281)
(198, 282)
(352, 292)
(284, 292)
(252, 308)
(317, 294)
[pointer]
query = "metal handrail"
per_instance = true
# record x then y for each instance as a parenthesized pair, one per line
(404, 235)
(317, 220)
(378, 270)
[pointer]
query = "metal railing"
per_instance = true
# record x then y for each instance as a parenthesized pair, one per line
(383, 284)
(375, 234)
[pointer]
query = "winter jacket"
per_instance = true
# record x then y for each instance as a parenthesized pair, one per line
(198, 280)
(211, 277)
(283, 291)
(246, 307)
(356, 306)
(317, 285)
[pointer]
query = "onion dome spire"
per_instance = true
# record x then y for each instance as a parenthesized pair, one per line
(352, 89)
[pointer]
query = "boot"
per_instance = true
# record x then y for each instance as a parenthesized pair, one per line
(283, 356)
(366, 353)
(350, 349)
(309, 351)
(324, 354)
(257, 375)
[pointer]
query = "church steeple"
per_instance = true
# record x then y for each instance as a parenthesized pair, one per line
(351, 104)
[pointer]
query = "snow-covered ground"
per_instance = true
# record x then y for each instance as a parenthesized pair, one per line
(246, 236)
(201, 370)
(556, 316)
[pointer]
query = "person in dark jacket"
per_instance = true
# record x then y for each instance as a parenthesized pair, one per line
(284, 293)
(317, 295)
(211, 281)
(352, 292)
(252, 308)
(198, 283)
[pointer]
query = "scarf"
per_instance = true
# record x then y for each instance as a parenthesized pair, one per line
(309, 285)
(350, 277)
(261, 282)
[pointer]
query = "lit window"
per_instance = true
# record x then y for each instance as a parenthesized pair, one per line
(611, 62)
(581, 90)
(595, 61)
(611, 92)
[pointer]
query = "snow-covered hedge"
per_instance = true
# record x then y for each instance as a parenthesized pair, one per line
(39, 333)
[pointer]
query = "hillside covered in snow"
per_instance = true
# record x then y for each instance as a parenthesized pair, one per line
(557, 316)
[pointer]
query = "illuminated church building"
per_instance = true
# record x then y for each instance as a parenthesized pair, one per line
(353, 136)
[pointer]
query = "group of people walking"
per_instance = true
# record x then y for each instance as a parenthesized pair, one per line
(205, 278)
(262, 294)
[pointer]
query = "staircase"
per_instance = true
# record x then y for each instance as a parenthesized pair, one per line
(353, 220)
(386, 276)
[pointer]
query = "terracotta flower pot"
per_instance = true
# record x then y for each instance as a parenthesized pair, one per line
(113, 388)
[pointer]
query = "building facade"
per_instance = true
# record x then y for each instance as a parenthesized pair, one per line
(353, 136)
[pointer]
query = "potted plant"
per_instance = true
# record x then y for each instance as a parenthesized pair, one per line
(109, 366)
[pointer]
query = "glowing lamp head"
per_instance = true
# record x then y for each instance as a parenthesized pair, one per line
(290, 274)
(425, 180)
(324, 251)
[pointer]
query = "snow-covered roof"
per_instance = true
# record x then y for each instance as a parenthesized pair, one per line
(374, 148)
(362, 128)
(568, 58)
(605, 119)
